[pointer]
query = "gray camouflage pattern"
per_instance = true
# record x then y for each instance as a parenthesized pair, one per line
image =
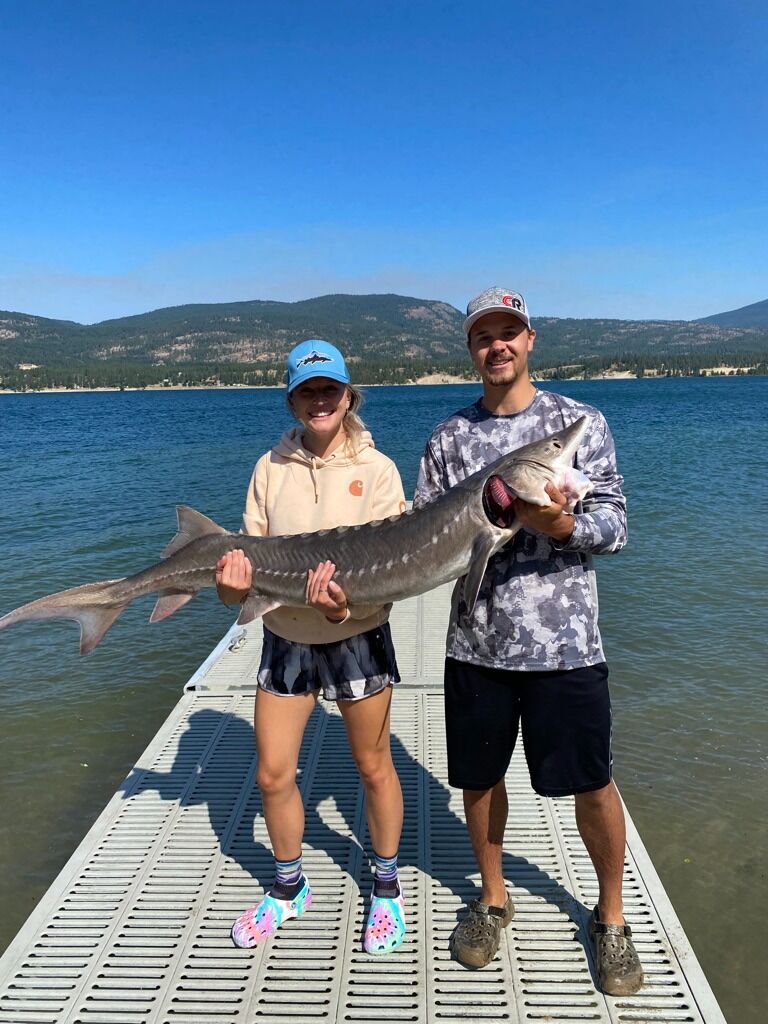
(537, 607)
(349, 669)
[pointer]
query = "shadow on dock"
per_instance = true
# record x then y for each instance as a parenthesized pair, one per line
(213, 769)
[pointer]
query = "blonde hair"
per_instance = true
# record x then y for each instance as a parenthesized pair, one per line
(353, 423)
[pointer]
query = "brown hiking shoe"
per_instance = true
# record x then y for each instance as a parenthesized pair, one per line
(618, 965)
(476, 939)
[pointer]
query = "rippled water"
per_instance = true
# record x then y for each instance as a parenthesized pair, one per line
(89, 483)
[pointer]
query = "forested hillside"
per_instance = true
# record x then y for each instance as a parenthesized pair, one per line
(391, 338)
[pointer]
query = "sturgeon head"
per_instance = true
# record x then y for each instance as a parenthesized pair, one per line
(523, 473)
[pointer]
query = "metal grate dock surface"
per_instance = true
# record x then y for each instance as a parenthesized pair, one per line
(135, 930)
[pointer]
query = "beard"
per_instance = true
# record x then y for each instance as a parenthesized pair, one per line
(503, 374)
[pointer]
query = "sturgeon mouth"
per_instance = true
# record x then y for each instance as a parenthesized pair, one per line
(499, 502)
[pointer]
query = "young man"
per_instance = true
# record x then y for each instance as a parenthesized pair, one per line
(530, 656)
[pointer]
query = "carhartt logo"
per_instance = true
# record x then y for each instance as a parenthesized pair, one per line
(513, 301)
(356, 488)
(313, 357)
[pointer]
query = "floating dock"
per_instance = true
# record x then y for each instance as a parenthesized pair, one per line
(135, 929)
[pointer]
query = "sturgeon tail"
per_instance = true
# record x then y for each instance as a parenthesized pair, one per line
(88, 605)
(95, 606)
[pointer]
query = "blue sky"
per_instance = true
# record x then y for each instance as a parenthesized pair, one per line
(606, 160)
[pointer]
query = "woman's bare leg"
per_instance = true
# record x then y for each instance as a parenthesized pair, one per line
(367, 723)
(279, 723)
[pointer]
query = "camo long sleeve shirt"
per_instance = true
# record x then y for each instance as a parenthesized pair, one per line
(537, 606)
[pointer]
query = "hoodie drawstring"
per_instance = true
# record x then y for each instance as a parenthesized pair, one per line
(313, 474)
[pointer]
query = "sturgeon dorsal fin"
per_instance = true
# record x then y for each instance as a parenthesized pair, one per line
(482, 550)
(192, 524)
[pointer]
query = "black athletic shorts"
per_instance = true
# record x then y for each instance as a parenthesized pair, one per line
(565, 718)
(350, 669)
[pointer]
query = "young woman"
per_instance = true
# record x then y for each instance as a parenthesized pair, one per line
(323, 473)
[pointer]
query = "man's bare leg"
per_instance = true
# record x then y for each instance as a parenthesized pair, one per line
(476, 939)
(600, 820)
(486, 811)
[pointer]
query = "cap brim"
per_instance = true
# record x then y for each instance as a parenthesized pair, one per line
(495, 309)
(312, 372)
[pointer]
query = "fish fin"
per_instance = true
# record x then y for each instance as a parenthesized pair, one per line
(482, 550)
(170, 601)
(532, 497)
(94, 623)
(192, 524)
(254, 606)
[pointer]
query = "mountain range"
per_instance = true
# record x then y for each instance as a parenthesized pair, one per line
(375, 330)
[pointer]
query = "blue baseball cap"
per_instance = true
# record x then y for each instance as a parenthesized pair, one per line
(315, 358)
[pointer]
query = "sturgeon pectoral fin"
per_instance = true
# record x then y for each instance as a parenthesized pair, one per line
(254, 606)
(482, 550)
(169, 602)
(535, 495)
(192, 524)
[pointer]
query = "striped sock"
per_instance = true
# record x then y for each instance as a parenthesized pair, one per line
(288, 879)
(385, 876)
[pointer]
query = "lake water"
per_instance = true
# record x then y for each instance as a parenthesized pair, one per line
(89, 484)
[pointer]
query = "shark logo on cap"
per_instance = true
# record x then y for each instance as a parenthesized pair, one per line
(313, 357)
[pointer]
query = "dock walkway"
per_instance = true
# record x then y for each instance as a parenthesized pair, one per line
(135, 929)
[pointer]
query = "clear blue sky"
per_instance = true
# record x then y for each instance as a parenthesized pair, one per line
(605, 159)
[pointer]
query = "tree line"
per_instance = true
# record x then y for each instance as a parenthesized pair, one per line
(687, 364)
(130, 375)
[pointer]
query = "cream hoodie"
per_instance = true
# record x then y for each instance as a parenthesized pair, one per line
(292, 491)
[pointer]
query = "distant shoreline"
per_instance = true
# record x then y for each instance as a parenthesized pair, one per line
(433, 378)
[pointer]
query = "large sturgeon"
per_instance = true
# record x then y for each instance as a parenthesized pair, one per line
(379, 562)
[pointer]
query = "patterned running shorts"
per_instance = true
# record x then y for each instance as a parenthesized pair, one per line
(349, 669)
